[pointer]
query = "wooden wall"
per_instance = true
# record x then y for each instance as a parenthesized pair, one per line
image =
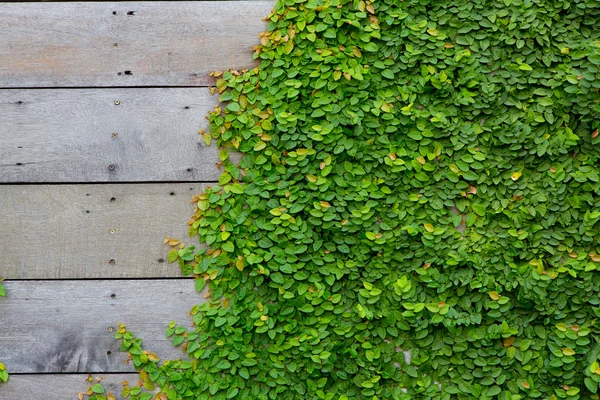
(100, 105)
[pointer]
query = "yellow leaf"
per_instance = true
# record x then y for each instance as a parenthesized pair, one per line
(568, 351)
(259, 146)
(325, 204)
(428, 227)
(561, 327)
(152, 357)
(595, 257)
(239, 264)
(260, 307)
(173, 242)
(421, 160)
(515, 176)
(494, 295)
(370, 8)
(433, 31)
(264, 317)
(525, 385)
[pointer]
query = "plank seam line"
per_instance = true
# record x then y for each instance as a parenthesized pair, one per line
(166, 278)
(203, 86)
(71, 373)
(108, 183)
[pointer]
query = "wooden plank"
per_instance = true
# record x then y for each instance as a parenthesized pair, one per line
(81, 135)
(92, 231)
(157, 43)
(68, 326)
(60, 387)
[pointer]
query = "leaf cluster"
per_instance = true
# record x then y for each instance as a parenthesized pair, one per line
(415, 214)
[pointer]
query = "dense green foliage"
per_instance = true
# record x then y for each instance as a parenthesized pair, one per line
(417, 175)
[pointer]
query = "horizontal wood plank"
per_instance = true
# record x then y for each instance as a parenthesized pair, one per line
(68, 326)
(60, 387)
(92, 231)
(156, 43)
(105, 135)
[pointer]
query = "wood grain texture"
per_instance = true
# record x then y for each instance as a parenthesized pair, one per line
(75, 135)
(159, 43)
(60, 387)
(68, 326)
(74, 231)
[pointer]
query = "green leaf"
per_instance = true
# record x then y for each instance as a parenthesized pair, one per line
(98, 388)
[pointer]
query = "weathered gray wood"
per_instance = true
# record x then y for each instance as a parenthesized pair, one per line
(68, 135)
(160, 43)
(68, 326)
(60, 387)
(74, 231)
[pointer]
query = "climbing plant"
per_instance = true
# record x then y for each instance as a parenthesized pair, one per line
(415, 215)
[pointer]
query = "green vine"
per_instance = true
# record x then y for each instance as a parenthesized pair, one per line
(415, 215)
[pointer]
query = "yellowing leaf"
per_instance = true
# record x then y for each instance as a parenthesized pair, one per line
(561, 327)
(568, 351)
(239, 264)
(259, 146)
(494, 295)
(515, 176)
(428, 227)
(525, 385)
(433, 31)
